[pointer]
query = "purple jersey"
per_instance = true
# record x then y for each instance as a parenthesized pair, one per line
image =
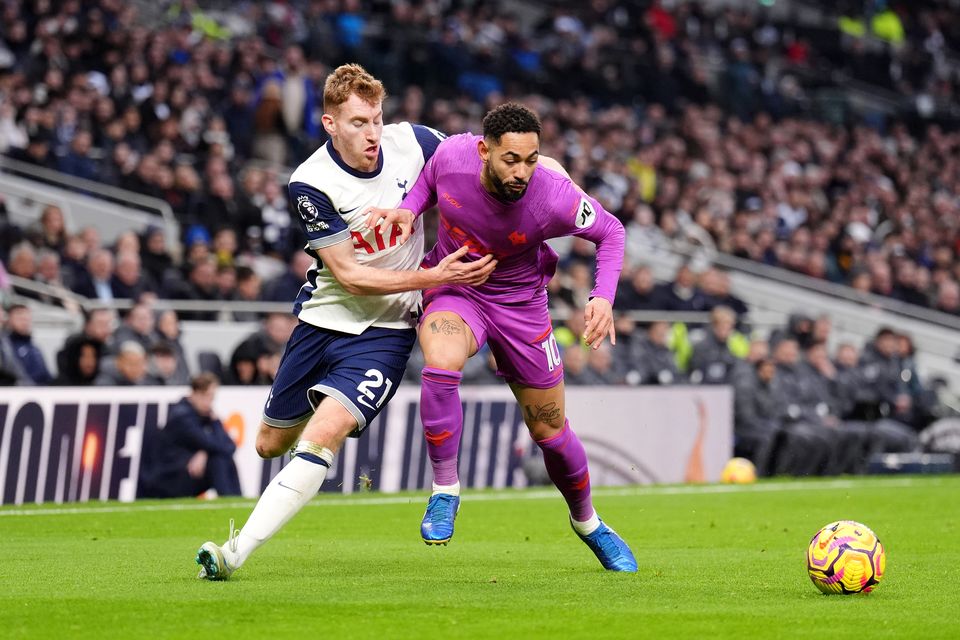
(514, 232)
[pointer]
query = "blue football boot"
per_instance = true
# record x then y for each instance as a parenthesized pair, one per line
(610, 549)
(437, 525)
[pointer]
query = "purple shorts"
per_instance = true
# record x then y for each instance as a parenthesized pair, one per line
(520, 334)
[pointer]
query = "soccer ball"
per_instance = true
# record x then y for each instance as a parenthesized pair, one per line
(738, 471)
(845, 557)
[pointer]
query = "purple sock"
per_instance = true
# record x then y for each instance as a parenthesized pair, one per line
(566, 463)
(442, 417)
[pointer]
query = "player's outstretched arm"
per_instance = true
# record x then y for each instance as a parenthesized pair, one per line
(599, 322)
(386, 218)
(362, 280)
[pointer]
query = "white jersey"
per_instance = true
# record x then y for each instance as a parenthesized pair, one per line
(330, 197)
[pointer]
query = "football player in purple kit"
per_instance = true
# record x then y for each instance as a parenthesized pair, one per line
(494, 199)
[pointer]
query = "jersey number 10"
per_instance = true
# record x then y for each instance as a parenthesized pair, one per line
(550, 348)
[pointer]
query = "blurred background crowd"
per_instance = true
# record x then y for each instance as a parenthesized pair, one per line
(690, 122)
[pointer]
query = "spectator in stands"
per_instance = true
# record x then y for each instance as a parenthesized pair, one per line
(248, 290)
(948, 297)
(681, 294)
(202, 285)
(880, 365)
(712, 361)
(137, 326)
(168, 332)
(9, 232)
(715, 291)
(905, 288)
(23, 264)
(197, 246)
(126, 242)
(575, 365)
(38, 151)
(51, 232)
(923, 399)
(274, 333)
(817, 396)
(49, 273)
(601, 368)
(243, 365)
(97, 285)
(799, 327)
(155, 260)
(128, 281)
(637, 291)
(226, 282)
(12, 135)
(849, 382)
(91, 238)
(238, 116)
(129, 367)
(286, 286)
(650, 360)
(262, 349)
(269, 137)
(757, 420)
(98, 327)
(277, 232)
(809, 447)
(11, 368)
(576, 283)
(73, 261)
(225, 247)
(77, 161)
(165, 368)
(19, 333)
(192, 454)
(79, 362)
(267, 366)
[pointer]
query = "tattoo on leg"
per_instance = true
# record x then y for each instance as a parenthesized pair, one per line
(543, 413)
(446, 327)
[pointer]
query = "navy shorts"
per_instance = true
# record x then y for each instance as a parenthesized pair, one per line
(361, 372)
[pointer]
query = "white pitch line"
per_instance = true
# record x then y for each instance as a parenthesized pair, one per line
(536, 494)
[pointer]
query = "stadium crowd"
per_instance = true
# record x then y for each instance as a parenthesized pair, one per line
(685, 121)
(744, 155)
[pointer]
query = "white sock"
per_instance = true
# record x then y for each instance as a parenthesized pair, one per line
(586, 527)
(452, 489)
(292, 488)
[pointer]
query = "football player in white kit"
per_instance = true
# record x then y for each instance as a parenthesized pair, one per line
(357, 310)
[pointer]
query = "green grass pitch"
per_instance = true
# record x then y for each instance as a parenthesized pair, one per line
(715, 562)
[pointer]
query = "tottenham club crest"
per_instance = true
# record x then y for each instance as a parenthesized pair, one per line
(310, 213)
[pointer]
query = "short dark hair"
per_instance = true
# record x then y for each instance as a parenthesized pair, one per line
(89, 312)
(245, 273)
(203, 381)
(509, 118)
(162, 348)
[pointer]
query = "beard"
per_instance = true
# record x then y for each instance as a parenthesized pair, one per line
(503, 189)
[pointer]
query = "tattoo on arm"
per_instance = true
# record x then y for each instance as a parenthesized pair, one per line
(542, 413)
(446, 327)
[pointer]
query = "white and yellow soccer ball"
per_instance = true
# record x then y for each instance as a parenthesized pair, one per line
(738, 471)
(846, 557)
